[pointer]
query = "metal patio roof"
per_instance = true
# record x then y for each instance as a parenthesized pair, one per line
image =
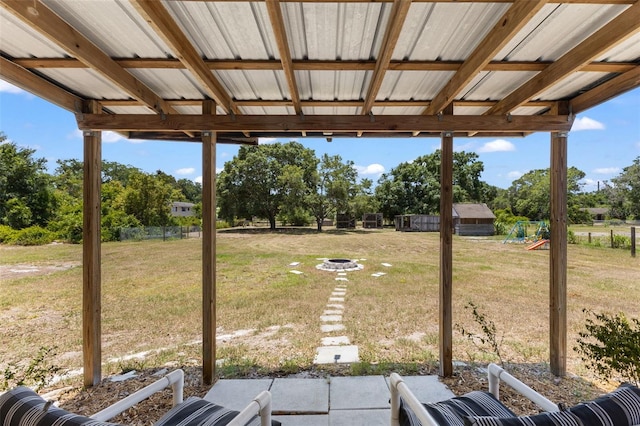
(331, 69)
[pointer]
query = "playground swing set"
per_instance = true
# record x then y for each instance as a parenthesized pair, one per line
(538, 240)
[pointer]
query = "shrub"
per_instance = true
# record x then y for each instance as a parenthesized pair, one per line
(38, 373)
(611, 344)
(488, 341)
(571, 237)
(32, 236)
(7, 233)
(621, 241)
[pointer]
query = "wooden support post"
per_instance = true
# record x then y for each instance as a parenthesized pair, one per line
(633, 241)
(558, 256)
(91, 274)
(446, 255)
(208, 250)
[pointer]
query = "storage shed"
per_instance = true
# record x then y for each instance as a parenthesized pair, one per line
(473, 219)
(372, 220)
(417, 223)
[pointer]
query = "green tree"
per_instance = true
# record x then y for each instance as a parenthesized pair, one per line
(414, 188)
(262, 180)
(334, 186)
(530, 195)
(192, 191)
(623, 193)
(364, 200)
(148, 199)
(26, 193)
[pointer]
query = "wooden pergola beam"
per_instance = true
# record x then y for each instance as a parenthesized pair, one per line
(318, 65)
(161, 21)
(279, 31)
(614, 32)
(68, 38)
(399, 14)
(324, 123)
(502, 32)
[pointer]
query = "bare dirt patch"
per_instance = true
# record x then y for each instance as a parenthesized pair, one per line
(20, 270)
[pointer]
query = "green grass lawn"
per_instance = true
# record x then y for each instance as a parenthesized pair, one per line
(271, 318)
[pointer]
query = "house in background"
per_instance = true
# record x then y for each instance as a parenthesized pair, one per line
(473, 219)
(182, 209)
(598, 213)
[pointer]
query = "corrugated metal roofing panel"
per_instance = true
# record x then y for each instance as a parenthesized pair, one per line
(571, 85)
(555, 30)
(628, 50)
(347, 31)
(331, 110)
(86, 82)
(130, 110)
(254, 84)
(397, 110)
(495, 84)
(529, 110)
(468, 110)
(332, 85)
(169, 83)
(268, 110)
(407, 85)
(112, 25)
(226, 30)
(24, 42)
(428, 33)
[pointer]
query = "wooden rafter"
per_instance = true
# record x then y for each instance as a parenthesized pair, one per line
(31, 82)
(280, 34)
(305, 65)
(620, 84)
(325, 123)
(502, 32)
(614, 32)
(161, 21)
(396, 22)
(58, 31)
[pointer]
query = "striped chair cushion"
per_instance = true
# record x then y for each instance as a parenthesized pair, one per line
(453, 411)
(618, 408)
(23, 407)
(197, 412)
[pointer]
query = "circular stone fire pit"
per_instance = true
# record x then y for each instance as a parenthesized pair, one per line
(338, 265)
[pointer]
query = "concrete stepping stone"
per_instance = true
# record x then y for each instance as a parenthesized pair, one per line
(335, 341)
(339, 293)
(336, 355)
(328, 328)
(333, 312)
(330, 318)
(335, 305)
(364, 393)
(336, 299)
(300, 396)
(341, 279)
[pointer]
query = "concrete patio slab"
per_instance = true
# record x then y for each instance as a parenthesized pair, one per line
(427, 388)
(359, 417)
(363, 392)
(303, 420)
(300, 396)
(237, 393)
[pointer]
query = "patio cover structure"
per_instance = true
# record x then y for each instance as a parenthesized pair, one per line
(213, 72)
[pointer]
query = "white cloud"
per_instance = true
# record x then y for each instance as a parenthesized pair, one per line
(514, 175)
(110, 137)
(498, 145)
(198, 180)
(185, 171)
(469, 146)
(371, 169)
(10, 88)
(586, 123)
(607, 170)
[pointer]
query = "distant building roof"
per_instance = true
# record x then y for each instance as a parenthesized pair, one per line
(468, 210)
(182, 204)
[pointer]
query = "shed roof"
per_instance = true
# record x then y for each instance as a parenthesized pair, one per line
(471, 210)
(335, 68)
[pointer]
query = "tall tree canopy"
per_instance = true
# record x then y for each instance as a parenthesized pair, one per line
(623, 193)
(26, 195)
(261, 180)
(414, 187)
(334, 184)
(530, 195)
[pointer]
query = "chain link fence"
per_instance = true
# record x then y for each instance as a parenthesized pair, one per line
(160, 232)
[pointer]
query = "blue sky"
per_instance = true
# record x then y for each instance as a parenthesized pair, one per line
(603, 141)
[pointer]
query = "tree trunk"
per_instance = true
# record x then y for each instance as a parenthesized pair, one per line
(272, 223)
(319, 223)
